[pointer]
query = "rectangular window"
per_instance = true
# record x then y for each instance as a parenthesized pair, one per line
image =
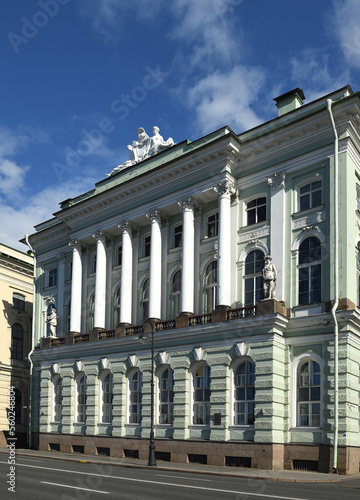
(310, 195)
(212, 225)
(177, 238)
(256, 210)
(147, 245)
(19, 301)
(52, 277)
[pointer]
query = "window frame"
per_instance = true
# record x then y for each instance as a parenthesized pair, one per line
(52, 277)
(175, 295)
(146, 246)
(138, 403)
(177, 235)
(210, 289)
(57, 399)
(201, 407)
(246, 401)
(209, 224)
(256, 208)
(310, 402)
(80, 394)
(253, 278)
(168, 400)
(310, 266)
(17, 342)
(106, 405)
(303, 184)
(19, 301)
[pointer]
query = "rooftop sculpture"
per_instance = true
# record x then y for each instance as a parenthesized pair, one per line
(143, 148)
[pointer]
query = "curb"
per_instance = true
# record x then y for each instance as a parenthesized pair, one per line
(180, 470)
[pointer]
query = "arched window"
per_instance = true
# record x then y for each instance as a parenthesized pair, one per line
(57, 398)
(17, 341)
(175, 294)
(166, 397)
(135, 397)
(145, 300)
(244, 389)
(80, 398)
(106, 398)
(18, 407)
(117, 307)
(211, 287)
(254, 264)
(308, 394)
(201, 405)
(309, 269)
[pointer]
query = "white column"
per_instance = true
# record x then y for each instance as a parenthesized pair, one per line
(126, 272)
(76, 288)
(225, 190)
(155, 265)
(277, 231)
(100, 281)
(60, 295)
(187, 271)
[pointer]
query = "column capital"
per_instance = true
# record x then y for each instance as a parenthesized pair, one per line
(99, 236)
(225, 187)
(126, 225)
(61, 257)
(154, 214)
(76, 244)
(277, 181)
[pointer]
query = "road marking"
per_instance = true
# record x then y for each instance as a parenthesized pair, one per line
(77, 488)
(30, 459)
(182, 477)
(161, 483)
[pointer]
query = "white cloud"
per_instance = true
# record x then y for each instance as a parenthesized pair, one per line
(20, 219)
(346, 28)
(11, 177)
(226, 98)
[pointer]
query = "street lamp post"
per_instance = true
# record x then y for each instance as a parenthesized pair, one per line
(144, 337)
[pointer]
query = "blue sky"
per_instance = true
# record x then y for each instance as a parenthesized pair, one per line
(78, 77)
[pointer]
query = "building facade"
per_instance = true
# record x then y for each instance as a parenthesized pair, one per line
(16, 293)
(238, 255)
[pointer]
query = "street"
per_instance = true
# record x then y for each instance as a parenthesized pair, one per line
(44, 478)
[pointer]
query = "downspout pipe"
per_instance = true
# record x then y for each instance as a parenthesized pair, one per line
(336, 287)
(32, 344)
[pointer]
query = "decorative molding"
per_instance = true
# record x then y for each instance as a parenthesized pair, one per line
(309, 220)
(253, 236)
(104, 363)
(132, 360)
(79, 366)
(162, 358)
(198, 353)
(240, 348)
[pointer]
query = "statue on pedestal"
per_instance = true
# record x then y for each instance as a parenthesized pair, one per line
(51, 317)
(269, 276)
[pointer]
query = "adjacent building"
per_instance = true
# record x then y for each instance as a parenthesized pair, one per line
(16, 295)
(238, 255)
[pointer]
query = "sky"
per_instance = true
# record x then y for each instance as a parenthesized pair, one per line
(79, 77)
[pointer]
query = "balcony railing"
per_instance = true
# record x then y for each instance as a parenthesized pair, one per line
(133, 330)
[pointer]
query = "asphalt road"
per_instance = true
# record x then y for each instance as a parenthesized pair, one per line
(50, 479)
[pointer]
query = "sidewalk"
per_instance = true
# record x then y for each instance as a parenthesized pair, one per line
(241, 472)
